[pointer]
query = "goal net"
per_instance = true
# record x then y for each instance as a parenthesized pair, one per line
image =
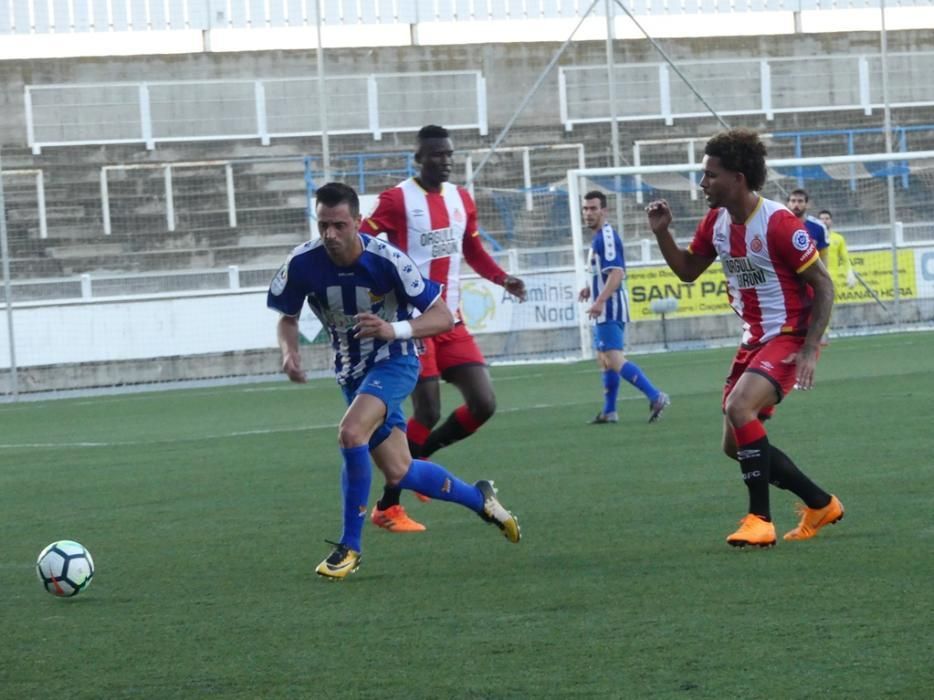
(882, 205)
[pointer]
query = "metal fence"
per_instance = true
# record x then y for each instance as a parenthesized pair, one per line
(766, 86)
(263, 109)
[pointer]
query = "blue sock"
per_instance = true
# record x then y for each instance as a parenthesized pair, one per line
(610, 390)
(355, 480)
(631, 373)
(437, 482)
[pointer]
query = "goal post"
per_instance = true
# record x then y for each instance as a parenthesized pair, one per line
(892, 259)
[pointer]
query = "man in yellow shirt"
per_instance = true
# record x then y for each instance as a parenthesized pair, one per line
(838, 259)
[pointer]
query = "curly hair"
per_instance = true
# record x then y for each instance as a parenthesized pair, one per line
(741, 151)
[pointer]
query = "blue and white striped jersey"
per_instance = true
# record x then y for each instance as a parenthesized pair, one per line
(606, 254)
(383, 281)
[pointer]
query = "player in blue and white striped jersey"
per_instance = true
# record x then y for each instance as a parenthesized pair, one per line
(798, 203)
(610, 313)
(365, 291)
(383, 281)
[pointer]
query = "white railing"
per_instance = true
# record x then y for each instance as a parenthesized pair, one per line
(210, 110)
(36, 176)
(766, 86)
(64, 16)
(167, 169)
(169, 283)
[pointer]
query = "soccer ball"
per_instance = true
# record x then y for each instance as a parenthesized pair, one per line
(65, 568)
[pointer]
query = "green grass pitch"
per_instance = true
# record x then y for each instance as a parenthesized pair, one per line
(206, 511)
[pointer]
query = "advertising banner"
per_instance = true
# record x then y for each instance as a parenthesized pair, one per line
(924, 271)
(708, 294)
(551, 303)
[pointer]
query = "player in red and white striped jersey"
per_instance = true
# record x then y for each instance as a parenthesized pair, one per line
(777, 284)
(435, 223)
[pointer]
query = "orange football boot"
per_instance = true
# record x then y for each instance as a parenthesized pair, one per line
(813, 519)
(395, 519)
(753, 531)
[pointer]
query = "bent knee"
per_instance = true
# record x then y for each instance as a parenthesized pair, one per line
(350, 435)
(739, 411)
(483, 408)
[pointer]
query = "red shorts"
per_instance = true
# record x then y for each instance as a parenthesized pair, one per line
(767, 360)
(448, 350)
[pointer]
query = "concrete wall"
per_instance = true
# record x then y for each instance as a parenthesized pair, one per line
(510, 69)
(645, 336)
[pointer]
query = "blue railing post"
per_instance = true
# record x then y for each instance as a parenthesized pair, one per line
(902, 147)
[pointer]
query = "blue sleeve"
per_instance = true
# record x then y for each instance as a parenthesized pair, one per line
(622, 251)
(419, 291)
(285, 294)
(610, 250)
(819, 234)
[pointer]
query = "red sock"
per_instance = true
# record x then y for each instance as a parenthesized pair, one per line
(749, 433)
(466, 420)
(416, 432)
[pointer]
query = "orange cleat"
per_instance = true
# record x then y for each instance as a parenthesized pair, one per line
(753, 531)
(813, 519)
(422, 497)
(395, 519)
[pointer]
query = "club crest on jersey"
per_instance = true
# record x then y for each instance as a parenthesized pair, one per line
(278, 282)
(801, 240)
(755, 245)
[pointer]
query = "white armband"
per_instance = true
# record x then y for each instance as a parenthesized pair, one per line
(402, 329)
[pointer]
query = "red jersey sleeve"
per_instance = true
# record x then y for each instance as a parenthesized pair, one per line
(388, 215)
(474, 252)
(702, 244)
(790, 243)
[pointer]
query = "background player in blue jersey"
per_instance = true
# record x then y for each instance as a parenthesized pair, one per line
(798, 203)
(610, 313)
(364, 291)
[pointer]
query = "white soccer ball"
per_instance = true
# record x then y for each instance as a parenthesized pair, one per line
(65, 568)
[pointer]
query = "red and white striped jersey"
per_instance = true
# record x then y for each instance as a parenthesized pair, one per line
(762, 260)
(437, 230)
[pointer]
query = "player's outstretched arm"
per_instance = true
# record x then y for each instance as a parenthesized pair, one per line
(287, 334)
(485, 266)
(515, 286)
(436, 319)
(685, 264)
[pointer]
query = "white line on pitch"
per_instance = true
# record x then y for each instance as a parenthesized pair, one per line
(258, 431)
